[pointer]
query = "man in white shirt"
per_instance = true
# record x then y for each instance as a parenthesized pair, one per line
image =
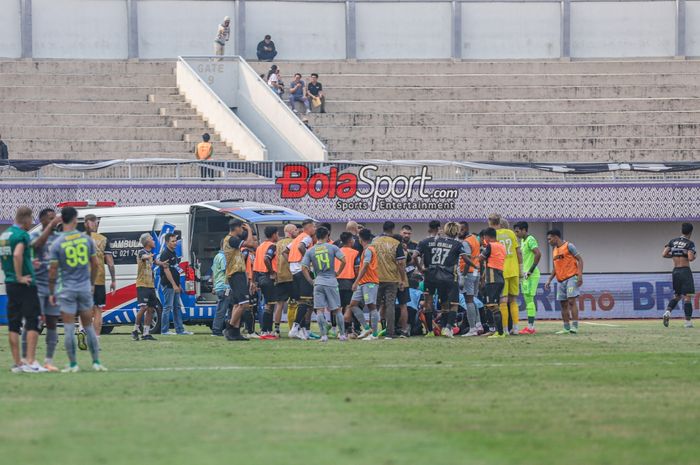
(222, 35)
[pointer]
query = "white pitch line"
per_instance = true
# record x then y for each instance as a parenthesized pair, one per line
(601, 324)
(523, 364)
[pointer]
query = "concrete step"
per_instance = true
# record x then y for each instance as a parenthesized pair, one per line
(133, 94)
(83, 106)
(100, 120)
(525, 156)
(86, 80)
(92, 149)
(325, 68)
(500, 106)
(227, 155)
(101, 133)
(87, 67)
(512, 143)
(509, 131)
(333, 81)
(319, 121)
(510, 93)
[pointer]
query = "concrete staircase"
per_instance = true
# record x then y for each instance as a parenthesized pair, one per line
(82, 110)
(606, 111)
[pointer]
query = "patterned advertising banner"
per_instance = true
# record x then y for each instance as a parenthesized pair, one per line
(614, 295)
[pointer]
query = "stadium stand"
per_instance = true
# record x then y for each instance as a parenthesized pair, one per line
(588, 111)
(98, 110)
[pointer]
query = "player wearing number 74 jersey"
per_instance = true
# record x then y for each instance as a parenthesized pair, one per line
(71, 280)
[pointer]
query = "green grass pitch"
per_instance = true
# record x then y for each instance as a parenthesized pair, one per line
(622, 394)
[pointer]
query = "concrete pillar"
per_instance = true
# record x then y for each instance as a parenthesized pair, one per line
(132, 20)
(456, 30)
(680, 28)
(239, 23)
(26, 28)
(350, 30)
(565, 29)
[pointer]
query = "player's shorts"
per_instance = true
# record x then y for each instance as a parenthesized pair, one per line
(267, 288)
(470, 284)
(345, 297)
(146, 297)
(492, 293)
(529, 285)
(46, 307)
(366, 294)
(448, 293)
(99, 295)
(326, 297)
(683, 283)
(72, 302)
(568, 289)
(22, 303)
(240, 293)
(430, 287)
(284, 291)
(511, 286)
(403, 297)
(302, 288)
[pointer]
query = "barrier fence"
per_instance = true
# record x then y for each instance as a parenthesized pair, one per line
(168, 170)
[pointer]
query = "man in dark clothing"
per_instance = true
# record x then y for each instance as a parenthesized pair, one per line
(315, 91)
(266, 49)
(4, 155)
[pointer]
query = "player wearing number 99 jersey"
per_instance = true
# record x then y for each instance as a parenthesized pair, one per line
(71, 280)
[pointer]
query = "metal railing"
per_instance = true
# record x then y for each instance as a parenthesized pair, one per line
(168, 170)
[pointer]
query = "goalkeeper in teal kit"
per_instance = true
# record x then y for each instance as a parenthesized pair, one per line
(531, 258)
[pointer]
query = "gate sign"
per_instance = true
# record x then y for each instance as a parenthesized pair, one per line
(614, 295)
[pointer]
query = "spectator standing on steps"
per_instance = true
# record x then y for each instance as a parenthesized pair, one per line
(223, 33)
(297, 93)
(203, 152)
(266, 49)
(314, 91)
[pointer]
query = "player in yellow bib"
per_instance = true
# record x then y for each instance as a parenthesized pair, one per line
(512, 271)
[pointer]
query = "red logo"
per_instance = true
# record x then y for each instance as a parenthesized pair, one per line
(296, 183)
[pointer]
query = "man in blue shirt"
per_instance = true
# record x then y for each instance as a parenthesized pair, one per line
(222, 291)
(297, 93)
(41, 241)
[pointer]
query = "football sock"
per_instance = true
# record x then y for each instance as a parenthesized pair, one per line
(574, 324)
(340, 321)
(267, 321)
(51, 342)
(672, 304)
(24, 343)
(374, 320)
(360, 315)
(472, 315)
(497, 319)
(69, 341)
(567, 326)
(451, 318)
(322, 323)
(514, 313)
(503, 308)
(301, 315)
(93, 344)
(334, 322)
(292, 307)
(688, 309)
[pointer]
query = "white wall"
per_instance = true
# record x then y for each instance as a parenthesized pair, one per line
(10, 39)
(622, 29)
(301, 31)
(171, 28)
(406, 30)
(511, 30)
(692, 28)
(80, 29)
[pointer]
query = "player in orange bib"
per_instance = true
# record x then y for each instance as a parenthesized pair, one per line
(492, 261)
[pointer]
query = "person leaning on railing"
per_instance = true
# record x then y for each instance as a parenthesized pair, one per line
(203, 152)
